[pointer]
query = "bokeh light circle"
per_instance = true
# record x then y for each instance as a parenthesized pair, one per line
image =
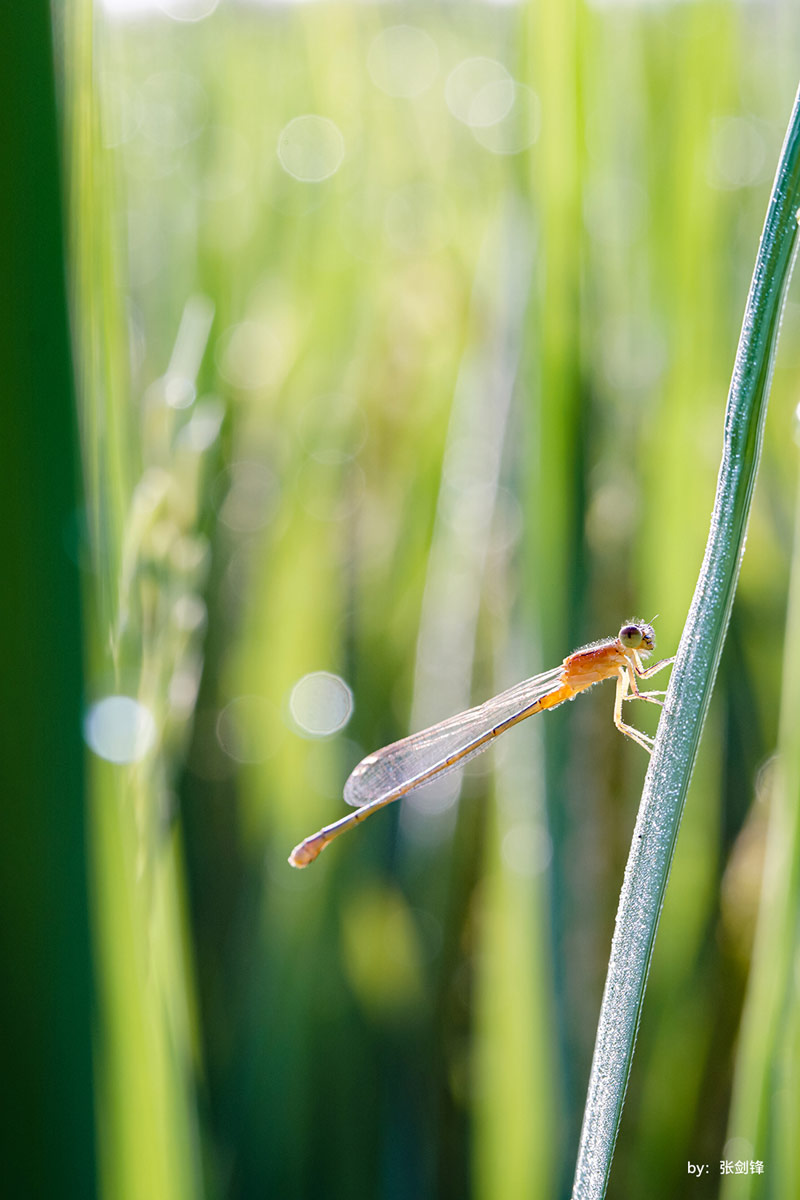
(479, 91)
(119, 729)
(311, 148)
(321, 704)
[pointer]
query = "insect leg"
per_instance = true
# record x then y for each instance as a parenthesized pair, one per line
(641, 672)
(648, 672)
(623, 683)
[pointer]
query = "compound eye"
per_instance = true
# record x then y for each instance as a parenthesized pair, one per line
(631, 636)
(648, 637)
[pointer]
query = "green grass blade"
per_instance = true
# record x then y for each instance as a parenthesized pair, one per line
(692, 681)
(47, 1136)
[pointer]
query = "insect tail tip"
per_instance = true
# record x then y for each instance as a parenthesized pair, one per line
(298, 857)
(306, 851)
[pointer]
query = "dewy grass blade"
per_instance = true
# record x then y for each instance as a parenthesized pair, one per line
(692, 680)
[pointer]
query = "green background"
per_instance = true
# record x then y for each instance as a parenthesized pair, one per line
(445, 415)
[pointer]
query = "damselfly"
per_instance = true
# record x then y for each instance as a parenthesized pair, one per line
(392, 772)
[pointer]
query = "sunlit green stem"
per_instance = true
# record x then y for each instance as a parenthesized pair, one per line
(692, 681)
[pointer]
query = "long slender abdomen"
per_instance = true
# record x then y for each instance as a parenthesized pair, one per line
(550, 700)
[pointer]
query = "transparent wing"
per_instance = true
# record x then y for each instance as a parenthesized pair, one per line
(435, 751)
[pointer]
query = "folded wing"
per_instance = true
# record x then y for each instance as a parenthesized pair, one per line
(431, 754)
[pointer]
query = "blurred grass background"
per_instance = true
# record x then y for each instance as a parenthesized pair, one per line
(382, 411)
